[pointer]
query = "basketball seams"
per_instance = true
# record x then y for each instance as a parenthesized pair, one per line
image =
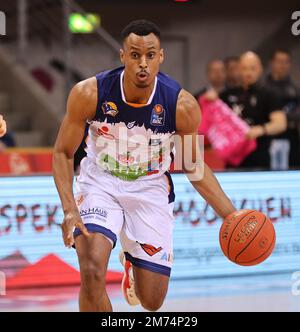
(228, 246)
(251, 240)
(273, 241)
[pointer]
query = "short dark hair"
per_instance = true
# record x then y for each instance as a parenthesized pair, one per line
(280, 50)
(140, 28)
(208, 65)
(230, 59)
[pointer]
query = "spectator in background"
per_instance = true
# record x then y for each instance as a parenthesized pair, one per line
(7, 141)
(285, 148)
(216, 77)
(232, 68)
(255, 105)
(6, 138)
(2, 126)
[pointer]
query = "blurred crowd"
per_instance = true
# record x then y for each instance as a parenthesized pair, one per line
(267, 100)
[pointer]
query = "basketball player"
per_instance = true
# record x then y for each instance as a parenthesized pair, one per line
(2, 126)
(132, 200)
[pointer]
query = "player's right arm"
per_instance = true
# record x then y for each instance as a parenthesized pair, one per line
(81, 106)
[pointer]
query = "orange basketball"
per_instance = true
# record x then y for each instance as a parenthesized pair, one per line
(247, 237)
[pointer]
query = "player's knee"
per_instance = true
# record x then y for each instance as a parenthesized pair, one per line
(92, 276)
(152, 303)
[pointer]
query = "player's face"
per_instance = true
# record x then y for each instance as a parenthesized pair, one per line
(141, 57)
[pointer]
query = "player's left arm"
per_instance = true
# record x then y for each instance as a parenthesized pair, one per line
(188, 118)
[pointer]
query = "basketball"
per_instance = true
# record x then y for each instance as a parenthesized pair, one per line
(247, 237)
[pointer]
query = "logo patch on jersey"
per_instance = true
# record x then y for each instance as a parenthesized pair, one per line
(157, 115)
(149, 249)
(104, 131)
(130, 124)
(110, 108)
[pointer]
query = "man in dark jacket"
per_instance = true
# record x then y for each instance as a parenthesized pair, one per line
(285, 147)
(256, 106)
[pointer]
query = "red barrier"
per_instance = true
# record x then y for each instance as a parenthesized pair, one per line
(30, 161)
(16, 161)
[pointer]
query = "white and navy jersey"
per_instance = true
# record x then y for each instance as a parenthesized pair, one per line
(132, 141)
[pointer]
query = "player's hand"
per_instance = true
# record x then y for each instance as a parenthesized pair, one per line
(2, 126)
(72, 219)
(255, 132)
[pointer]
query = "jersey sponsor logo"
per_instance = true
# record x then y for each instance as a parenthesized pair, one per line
(94, 212)
(104, 131)
(149, 249)
(167, 257)
(110, 108)
(130, 124)
(158, 115)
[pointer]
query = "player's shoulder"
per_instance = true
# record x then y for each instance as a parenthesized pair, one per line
(168, 82)
(188, 114)
(187, 102)
(85, 89)
(83, 98)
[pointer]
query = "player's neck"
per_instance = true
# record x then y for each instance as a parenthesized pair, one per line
(134, 94)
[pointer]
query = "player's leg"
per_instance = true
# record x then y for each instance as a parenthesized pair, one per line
(151, 288)
(147, 241)
(93, 255)
(103, 217)
(144, 282)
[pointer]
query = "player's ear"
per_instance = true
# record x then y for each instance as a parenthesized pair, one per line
(161, 56)
(122, 56)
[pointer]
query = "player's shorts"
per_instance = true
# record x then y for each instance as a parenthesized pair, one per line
(139, 213)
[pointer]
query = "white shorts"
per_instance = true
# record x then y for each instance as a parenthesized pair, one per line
(138, 212)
